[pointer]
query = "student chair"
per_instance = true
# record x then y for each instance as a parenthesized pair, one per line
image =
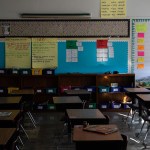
(107, 119)
(134, 110)
(145, 115)
(27, 107)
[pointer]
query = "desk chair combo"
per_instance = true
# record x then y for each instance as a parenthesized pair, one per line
(134, 111)
(145, 115)
(25, 93)
(132, 94)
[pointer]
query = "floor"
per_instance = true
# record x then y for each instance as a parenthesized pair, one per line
(50, 132)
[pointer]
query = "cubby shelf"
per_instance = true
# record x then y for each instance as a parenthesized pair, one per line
(74, 80)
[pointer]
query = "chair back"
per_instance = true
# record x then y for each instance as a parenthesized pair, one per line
(107, 118)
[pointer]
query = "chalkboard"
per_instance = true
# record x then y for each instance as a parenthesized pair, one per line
(87, 59)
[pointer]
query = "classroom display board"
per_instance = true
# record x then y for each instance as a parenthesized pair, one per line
(44, 53)
(92, 56)
(18, 53)
(140, 48)
(66, 56)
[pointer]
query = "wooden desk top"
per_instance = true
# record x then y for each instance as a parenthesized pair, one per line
(6, 134)
(85, 114)
(10, 100)
(144, 97)
(11, 117)
(80, 135)
(136, 90)
(23, 92)
(66, 99)
(77, 92)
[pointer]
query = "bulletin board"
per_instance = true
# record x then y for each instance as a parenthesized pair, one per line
(140, 48)
(26, 53)
(86, 61)
(72, 55)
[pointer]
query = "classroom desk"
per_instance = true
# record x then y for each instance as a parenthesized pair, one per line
(11, 120)
(136, 91)
(82, 93)
(27, 98)
(132, 92)
(91, 140)
(144, 99)
(27, 94)
(23, 92)
(6, 135)
(77, 92)
(10, 102)
(64, 102)
(78, 116)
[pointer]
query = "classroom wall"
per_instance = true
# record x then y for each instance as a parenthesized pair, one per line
(10, 9)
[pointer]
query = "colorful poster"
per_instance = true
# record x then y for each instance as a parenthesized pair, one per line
(18, 53)
(44, 53)
(113, 8)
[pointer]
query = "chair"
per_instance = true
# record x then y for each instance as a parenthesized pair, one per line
(125, 142)
(134, 110)
(26, 107)
(107, 119)
(14, 145)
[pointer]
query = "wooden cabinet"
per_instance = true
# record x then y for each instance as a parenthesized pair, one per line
(110, 89)
(56, 82)
(79, 81)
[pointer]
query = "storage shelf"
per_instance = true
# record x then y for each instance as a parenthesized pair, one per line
(74, 80)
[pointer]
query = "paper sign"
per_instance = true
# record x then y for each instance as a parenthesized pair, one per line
(140, 35)
(140, 53)
(102, 43)
(140, 47)
(140, 59)
(141, 27)
(140, 41)
(140, 66)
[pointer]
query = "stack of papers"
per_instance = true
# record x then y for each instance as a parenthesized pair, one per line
(99, 129)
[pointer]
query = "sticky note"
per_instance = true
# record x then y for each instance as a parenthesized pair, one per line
(140, 53)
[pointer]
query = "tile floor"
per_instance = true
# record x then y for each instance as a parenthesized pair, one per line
(49, 133)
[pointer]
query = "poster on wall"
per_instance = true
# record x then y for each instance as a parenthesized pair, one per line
(44, 53)
(113, 9)
(18, 53)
